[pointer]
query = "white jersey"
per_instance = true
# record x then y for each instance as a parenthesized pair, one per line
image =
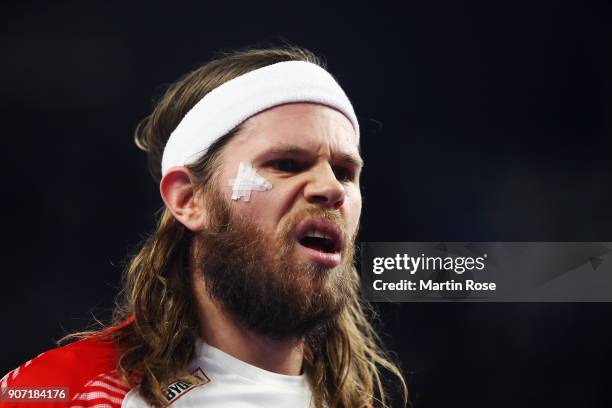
(230, 382)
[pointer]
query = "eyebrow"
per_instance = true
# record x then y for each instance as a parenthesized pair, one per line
(293, 150)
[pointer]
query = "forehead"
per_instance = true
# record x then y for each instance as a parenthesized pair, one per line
(308, 126)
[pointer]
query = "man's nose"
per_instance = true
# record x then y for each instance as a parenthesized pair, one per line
(324, 188)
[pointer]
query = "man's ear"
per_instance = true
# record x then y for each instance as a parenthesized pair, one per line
(180, 196)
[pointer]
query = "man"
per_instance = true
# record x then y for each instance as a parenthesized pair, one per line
(246, 295)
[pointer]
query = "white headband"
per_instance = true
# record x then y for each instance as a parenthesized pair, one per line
(233, 102)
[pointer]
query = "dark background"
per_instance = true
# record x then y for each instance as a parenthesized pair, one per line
(482, 121)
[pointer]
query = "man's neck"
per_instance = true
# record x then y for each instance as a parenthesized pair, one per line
(220, 330)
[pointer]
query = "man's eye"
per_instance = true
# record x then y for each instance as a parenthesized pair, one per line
(343, 174)
(285, 165)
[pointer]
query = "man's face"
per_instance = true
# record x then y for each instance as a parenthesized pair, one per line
(283, 262)
(302, 149)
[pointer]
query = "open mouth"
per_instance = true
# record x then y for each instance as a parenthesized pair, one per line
(318, 242)
(320, 235)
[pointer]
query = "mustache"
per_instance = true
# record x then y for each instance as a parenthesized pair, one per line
(332, 216)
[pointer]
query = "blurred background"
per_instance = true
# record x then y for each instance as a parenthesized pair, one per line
(482, 121)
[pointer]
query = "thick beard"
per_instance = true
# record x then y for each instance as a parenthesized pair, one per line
(263, 284)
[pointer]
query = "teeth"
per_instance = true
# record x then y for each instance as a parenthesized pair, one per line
(317, 234)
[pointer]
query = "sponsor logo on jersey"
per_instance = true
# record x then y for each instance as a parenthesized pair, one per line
(181, 387)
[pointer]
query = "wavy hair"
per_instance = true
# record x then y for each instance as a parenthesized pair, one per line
(158, 343)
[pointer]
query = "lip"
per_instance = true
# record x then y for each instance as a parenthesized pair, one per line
(328, 259)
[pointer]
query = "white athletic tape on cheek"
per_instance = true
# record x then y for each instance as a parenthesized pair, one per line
(246, 181)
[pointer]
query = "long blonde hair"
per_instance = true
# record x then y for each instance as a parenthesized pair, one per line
(156, 347)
